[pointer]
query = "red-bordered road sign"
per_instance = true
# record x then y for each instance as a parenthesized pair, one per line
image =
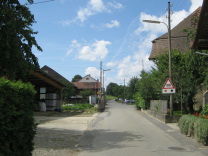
(168, 87)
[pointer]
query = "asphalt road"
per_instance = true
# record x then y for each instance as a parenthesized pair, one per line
(123, 131)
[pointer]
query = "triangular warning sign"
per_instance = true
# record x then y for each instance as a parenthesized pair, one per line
(168, 84)
(168, 87)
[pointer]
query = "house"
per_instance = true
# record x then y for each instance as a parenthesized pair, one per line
(201, 43)
(85, 83)
(49, 86)
(201, 39)
(178, 38)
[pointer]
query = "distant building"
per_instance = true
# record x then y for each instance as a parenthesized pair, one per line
(85, 83)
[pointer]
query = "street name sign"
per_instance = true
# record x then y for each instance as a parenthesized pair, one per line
(168, 87)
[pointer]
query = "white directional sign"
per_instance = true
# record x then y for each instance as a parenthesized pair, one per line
(168, 87)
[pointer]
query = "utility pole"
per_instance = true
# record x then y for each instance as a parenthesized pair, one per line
(124, 89)
(170, 59)
(100, 92)
(142, 65)
(100, 79)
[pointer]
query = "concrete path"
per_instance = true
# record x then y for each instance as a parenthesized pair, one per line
(123, 131)
(58, 136)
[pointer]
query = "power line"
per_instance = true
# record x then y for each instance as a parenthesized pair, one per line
(41, 2)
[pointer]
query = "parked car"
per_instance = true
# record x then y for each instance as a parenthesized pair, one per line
(128, 101)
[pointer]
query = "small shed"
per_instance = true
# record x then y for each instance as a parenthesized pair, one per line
(49, 90)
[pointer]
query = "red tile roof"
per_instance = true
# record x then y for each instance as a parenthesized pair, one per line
(87, 85)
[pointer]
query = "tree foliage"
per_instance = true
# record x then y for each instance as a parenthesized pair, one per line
(146, 88)
(16, 40)
(76, 77)
(132, 87)
(109, 89)
(87, 93)
(188, 72)
(68, 91)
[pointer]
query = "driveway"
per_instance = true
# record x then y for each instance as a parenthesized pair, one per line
(58, 134)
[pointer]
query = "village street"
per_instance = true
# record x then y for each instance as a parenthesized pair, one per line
(119, 131)
(123, 131)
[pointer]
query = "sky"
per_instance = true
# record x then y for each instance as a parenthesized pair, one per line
(76, 35)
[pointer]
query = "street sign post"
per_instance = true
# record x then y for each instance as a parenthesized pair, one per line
(168, 87)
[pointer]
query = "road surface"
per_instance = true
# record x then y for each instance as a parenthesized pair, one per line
(123, 131)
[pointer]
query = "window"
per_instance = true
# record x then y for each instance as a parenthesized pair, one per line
(87, 78)
(42, 93)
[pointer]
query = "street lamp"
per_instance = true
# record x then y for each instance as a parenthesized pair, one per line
(170, 60)
(103, 78)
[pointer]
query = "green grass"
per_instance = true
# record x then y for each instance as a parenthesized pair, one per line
(178, 113)
(108, 97)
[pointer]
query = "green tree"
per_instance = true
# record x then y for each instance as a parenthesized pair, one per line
(132, 87)
(16, 40)
(188, 72)
(118, 91)
(146, 88)
(87, 93)
(76, 77)
(68, 91)
(109, 90)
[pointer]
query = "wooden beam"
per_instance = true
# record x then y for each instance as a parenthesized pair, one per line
(47, 80)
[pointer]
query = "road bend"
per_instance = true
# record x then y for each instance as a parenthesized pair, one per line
(123, 131)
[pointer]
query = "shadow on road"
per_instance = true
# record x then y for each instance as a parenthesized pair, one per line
(48, 138)
(107, 139)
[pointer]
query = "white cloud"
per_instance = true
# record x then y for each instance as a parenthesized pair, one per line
(69, 52)
(96, 5)
(195, 5)
(151, 27)
(95, 52)
(114, 23)
(83, 14)
(94, 72)
(74, 45)
(111, 64)
(127, 68)
(115, 5)
(133, 64)
(93, 7)
(176, 18)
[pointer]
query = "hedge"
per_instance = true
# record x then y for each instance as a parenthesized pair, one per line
(17, 126)
(197, 127)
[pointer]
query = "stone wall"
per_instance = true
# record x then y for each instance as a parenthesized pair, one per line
(159, 106)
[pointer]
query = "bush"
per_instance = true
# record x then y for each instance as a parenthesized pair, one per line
(76, 107)
(139, 101)
(194, 126)
(17, 128)
(186, 124)
(204, 111)
(201, 130)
